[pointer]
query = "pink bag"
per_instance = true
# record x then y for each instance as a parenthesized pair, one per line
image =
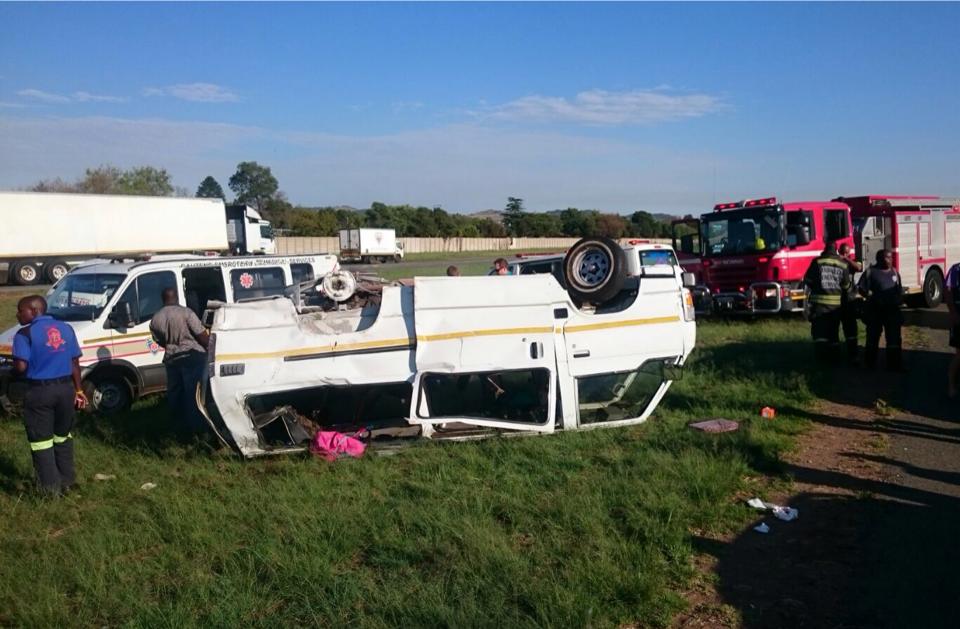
(331, 445)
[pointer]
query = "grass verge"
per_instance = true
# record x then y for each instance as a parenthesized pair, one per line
(589, 528)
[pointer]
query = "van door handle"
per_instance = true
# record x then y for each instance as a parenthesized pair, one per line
(536, 350)
(583, 353)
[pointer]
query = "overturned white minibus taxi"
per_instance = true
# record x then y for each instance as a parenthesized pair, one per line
(452, 357)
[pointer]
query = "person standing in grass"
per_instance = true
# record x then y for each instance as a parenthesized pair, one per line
(850, 310)
(881, 286)
(179, 332)
(46, 351)
(828, 280)
(952, 295)
(453, 271)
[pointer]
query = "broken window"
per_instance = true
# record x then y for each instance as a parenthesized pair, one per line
(610, 397)
(506, 395)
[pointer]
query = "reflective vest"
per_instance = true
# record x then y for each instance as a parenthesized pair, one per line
(829, 280)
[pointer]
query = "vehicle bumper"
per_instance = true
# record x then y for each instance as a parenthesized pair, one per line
(759, 298)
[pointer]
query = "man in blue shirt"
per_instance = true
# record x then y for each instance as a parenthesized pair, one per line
(47, 353)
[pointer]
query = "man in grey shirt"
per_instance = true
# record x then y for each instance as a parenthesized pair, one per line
(184, 340)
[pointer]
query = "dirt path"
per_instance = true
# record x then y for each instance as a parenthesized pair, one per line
(877, 483)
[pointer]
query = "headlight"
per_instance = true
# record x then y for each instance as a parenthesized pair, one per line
(689, 311)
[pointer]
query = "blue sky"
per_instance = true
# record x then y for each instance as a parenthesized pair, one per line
(618, 107)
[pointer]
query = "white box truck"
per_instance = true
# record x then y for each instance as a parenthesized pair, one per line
(370, 245)
(45, 234)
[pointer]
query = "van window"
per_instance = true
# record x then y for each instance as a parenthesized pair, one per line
(800, 218)
(255, 283)
(835, 224)
(519, 396)
(145, 294)
(301, 272)
(611, 397)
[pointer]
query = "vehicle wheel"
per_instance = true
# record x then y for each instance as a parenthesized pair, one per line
(396, 259)
(364, 260)
(108, 395)
(24, 274)
(382, 259)
(595, 269)
(53, 271)
(932, 289)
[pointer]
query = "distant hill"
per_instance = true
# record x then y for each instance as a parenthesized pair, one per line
(494, 215)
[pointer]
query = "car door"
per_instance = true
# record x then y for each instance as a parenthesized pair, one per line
(486, 352)
(134, 343)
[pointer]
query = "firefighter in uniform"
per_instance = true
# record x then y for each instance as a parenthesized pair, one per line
(881, 286)
(852, 306)
(47, 353)
(829, 281)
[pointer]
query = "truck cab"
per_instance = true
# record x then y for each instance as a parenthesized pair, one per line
(754, 253)
(248, 232)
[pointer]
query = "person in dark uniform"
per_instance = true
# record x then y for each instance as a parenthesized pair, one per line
(180, 333)
(828, 280)
(852, 305)
(47, 353)
(952, 297)
(881, 286)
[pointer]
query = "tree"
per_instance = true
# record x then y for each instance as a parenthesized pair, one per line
(611, 225)
(491, 229)
(54, 185)
(145, 181)
(210, 188)
(513, 215)
(577, 223)
(646, 225)
(103, 179)
(254, 185)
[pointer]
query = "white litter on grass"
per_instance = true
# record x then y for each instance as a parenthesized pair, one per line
(104, 476)
(762, 528)
(148, 486)
(787, 514)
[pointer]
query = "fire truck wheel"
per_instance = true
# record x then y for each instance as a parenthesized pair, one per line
(595, 269)
(932, 289)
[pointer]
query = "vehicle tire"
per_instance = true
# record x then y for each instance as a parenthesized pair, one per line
(382, 260)
(932, 289)
(108, 394)
(595, 269)
(364, 260)
(396, 259)
(53, 271)
(24, 274)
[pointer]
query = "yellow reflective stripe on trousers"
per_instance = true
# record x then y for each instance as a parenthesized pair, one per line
(41, 445)
(59, 439)
(828, 300)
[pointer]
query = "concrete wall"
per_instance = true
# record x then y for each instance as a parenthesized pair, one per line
(296, 245)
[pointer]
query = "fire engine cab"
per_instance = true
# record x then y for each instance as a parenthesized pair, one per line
(922, 232)
(753, 254)
(750, 256)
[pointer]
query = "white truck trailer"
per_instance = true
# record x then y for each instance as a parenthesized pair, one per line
(45, 234)
(370, 245)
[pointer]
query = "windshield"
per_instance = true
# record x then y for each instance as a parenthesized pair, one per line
(82, 296)
(743, 231)
(266, 231)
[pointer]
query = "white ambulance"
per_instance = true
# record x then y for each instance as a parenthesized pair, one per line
(110, 303)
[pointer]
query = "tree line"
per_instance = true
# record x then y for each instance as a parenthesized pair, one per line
(255, 185)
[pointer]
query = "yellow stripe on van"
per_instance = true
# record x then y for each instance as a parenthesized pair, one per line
(493, 332)
(118, 337)
(323, 349)
(619, 324)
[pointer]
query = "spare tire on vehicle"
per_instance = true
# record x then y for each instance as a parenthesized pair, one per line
(595, 269)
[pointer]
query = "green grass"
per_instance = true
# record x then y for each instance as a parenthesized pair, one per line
(589, 528)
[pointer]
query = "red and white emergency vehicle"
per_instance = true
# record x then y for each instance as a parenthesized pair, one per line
(922, 232)
(753, 254)
(750, 256)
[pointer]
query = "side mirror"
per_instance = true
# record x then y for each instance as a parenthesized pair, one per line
(803, 235)
(689, 280)
(121, 316)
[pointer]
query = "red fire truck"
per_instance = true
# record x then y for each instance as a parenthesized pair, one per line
(922, 232)
(750, 256)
